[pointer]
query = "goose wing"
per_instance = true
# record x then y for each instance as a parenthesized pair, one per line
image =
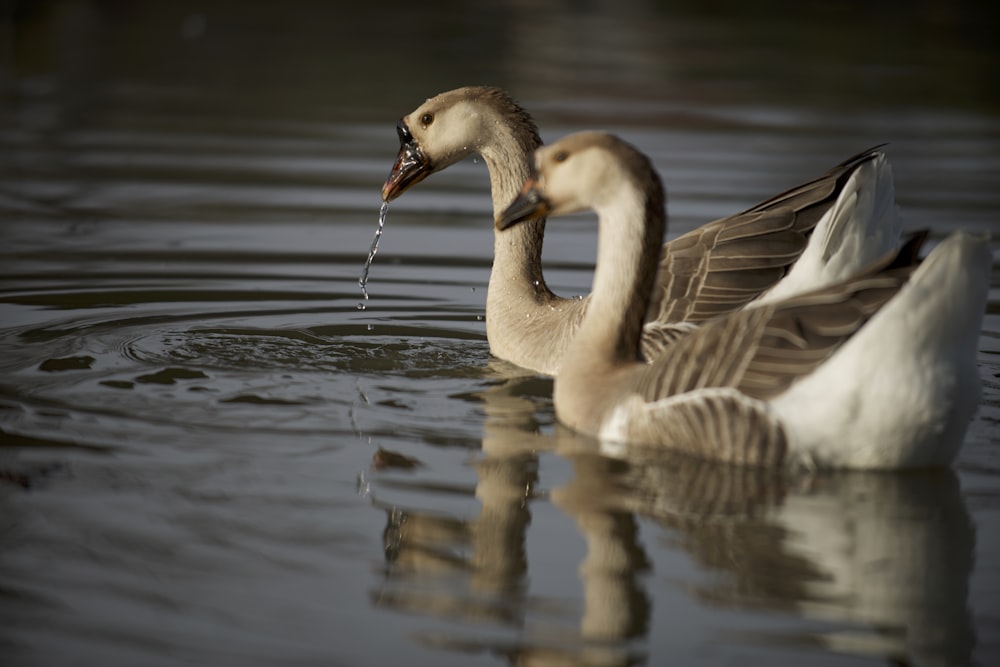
(707, 394)
(725, 264)
(761, 351)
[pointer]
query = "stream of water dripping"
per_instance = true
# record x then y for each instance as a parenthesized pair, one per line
(363, 280)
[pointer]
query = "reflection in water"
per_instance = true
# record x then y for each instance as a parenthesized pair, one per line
(487, 551)
(875, 564)
(889, 552)
(616, 608)
(895, 553)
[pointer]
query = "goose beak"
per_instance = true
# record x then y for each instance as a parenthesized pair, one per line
(529, 204)
(411, 165)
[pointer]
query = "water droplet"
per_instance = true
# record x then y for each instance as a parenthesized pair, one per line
(361, 305)
(535, 283)
(364, 486)
(480, 317)
(371, 327)
(363, 280)
(472, 289)
(475, 159)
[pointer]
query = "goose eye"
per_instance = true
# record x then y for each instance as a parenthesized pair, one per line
(427, 119)
(560, 156)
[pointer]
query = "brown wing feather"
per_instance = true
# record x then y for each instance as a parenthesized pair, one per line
(658, 336)
(725, 264)
(712, 270)
(722, 425)
(761, 351)
(800, 336)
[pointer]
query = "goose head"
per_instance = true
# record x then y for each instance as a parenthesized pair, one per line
(449, 128)
(582, 171)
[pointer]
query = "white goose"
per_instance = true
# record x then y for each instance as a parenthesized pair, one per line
(877, 371)
(809, 236)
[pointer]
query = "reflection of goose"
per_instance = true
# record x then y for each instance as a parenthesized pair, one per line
(878, 371)
(478, 569)
(886, 557)
(716, 268)
(883, 561)
(896, 552)
(479, 563)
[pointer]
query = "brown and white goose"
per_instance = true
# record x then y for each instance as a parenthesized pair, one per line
(876, 371)
(809, 236)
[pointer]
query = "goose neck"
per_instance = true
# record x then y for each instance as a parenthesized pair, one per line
(517, 251)
(629, 236)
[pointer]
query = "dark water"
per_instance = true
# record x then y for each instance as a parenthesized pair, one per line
(210, 455)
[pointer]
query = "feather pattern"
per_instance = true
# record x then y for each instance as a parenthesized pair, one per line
(716, 423)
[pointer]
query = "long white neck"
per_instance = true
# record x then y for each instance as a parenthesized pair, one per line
(628, 243)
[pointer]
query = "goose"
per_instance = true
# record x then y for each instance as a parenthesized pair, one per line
(809, 236)
(877, 371)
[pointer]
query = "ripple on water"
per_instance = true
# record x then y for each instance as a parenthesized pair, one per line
(203, 382)
(334, 349)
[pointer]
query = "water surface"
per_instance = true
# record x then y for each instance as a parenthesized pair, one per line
(209, 454)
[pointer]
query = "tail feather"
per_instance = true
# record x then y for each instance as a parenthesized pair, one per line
(864, 223)
(859, 229)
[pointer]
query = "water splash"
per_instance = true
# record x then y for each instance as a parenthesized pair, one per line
(363, 280)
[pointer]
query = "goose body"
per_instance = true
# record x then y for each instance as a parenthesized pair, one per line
(807, 237)
(876, 371)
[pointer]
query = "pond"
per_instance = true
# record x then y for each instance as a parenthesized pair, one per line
(210, 454)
